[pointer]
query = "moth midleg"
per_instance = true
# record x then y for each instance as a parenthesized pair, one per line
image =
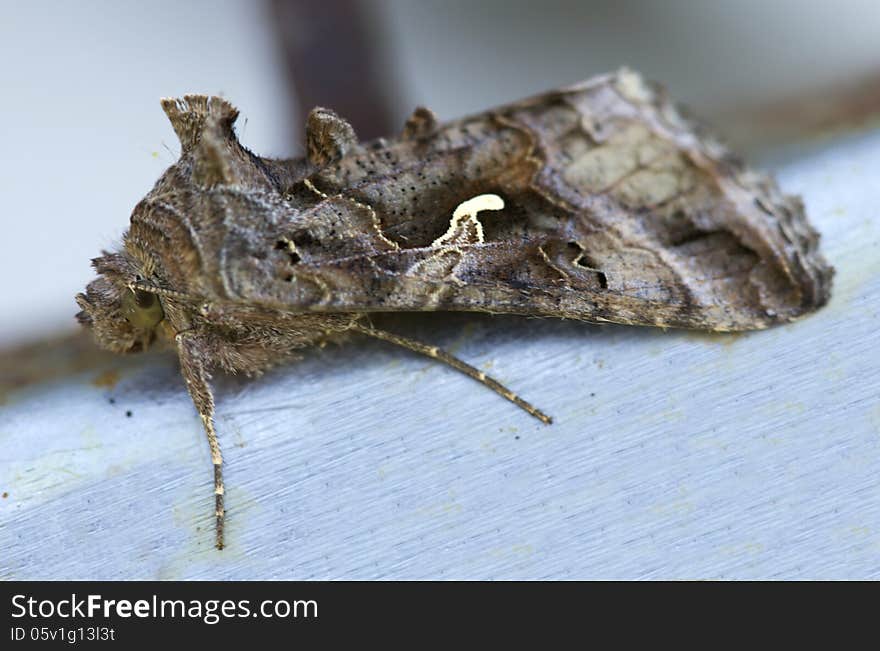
(442, 356)
(197, 377)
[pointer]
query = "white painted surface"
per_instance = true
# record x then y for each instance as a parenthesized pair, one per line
(673, 455)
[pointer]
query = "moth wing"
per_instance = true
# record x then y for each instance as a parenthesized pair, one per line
(615, 208)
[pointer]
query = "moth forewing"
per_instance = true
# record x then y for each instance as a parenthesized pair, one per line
(597, 202)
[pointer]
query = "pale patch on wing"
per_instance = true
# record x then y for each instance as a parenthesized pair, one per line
(596, 169)
(464, 230)
(634, 166)
(656, 184)
(478, 203)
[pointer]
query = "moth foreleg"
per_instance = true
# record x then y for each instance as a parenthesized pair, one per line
(442, 356)
(195, 372)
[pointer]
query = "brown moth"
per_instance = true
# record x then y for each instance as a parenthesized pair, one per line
(597, 202)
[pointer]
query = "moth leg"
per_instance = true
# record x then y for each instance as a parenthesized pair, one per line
(195, 372)
(441, 355)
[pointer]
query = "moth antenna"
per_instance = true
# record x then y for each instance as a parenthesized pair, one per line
(442, 356)
(152, 289)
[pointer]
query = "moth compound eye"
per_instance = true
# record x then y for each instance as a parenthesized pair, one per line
(142, 309)
(145, 300)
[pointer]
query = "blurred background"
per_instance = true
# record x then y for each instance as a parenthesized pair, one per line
(84, 138)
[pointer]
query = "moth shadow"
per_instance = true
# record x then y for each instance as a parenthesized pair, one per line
(458, 333)
(157, 375)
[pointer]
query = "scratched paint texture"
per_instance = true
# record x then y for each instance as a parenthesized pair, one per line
(673, 454)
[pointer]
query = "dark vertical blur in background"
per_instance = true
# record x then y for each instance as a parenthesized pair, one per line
(765, 72)
(84, 137)
(333, 58)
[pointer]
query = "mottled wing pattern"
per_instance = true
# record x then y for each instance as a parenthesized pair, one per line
(615, 209)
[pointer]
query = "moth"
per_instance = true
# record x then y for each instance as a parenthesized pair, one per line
(598, 202)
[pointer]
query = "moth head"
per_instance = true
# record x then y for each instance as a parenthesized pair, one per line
(123, 319)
